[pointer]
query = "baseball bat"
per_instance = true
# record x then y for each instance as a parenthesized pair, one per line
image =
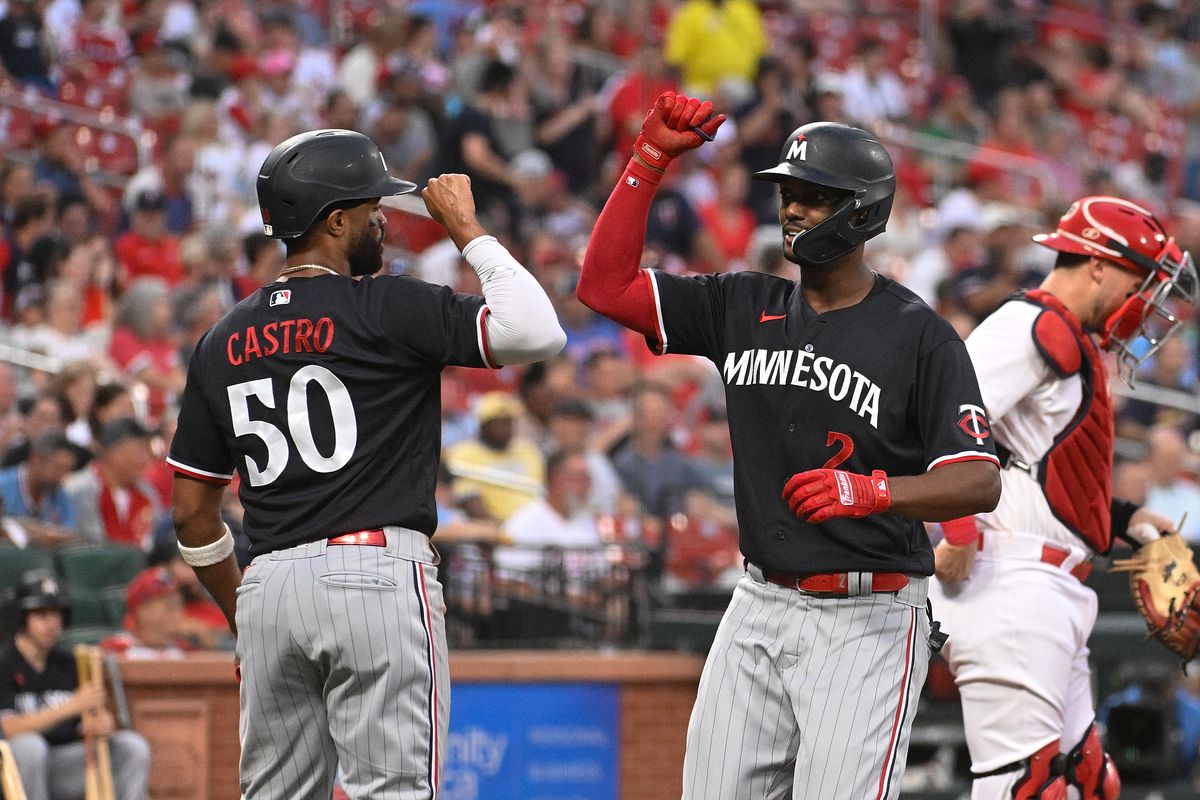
(98, 783)
(103, 757)
(10, 779)
(91, 780)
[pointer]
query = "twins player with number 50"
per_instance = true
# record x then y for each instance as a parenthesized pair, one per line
(854, 414)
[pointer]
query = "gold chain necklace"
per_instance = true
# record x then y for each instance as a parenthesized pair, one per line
(300, 267)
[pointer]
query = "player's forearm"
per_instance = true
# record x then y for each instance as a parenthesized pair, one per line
(521, 324)
(946, 493)
(36, 721)
(610, 282)
(205, 542)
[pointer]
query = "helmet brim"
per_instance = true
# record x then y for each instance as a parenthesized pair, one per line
(390, 186)
(786, 171)
(1065, 244)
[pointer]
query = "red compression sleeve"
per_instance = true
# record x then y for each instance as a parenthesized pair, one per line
(611, 281)
(961, 531)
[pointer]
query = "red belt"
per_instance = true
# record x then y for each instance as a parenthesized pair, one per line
(835, 582)
(373, 538)
(1055, 556)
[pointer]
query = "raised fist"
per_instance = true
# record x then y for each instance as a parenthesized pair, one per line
(667, 130)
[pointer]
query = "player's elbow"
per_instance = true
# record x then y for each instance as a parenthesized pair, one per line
(987, 490)
(536, 342)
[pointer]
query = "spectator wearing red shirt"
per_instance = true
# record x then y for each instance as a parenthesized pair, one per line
(636, 93)
(728, 219)
(148, 249)
(143, 343)
(112, 501)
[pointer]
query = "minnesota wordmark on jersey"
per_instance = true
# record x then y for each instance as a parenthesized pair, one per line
(805, 369)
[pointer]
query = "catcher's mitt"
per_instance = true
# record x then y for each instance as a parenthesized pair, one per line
(1166, 588)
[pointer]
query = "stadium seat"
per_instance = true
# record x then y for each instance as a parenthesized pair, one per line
(93, 567)
(86, 609)
(16, 561)
(85, 634)
(113, 600)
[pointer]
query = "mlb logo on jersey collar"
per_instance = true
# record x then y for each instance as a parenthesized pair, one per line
(281, 297)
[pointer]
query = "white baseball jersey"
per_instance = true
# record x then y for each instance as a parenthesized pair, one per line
(1028, 405)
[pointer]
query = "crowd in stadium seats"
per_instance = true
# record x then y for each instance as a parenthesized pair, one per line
(131, 134)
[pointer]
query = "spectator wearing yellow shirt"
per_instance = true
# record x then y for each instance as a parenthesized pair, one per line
(507, 471)
(712, 40)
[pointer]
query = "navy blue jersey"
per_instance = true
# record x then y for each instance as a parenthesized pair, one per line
(324, 394)
(884, 384)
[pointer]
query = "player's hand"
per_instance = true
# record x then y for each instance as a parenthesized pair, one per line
(1144, 516)
(87, 698)
(666, 131)
(99, 723)
(954, 562)
(819, 495)
(449, 201)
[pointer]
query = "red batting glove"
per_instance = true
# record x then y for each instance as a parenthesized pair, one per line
(666, 132)
(820, 495)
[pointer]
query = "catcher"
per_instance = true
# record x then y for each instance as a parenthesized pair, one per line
(1009, 585)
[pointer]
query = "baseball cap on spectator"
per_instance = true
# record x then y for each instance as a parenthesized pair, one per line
(118, 430)
(149, 200)
(574, 408)
(1003, 215)
(531, 165)
(829, 83)
(149, 584)
(498, 405)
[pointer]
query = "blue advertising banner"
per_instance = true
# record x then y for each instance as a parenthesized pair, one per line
(531, 741)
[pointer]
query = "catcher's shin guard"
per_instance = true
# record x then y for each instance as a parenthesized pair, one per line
(1040, 775)
(1091, 770)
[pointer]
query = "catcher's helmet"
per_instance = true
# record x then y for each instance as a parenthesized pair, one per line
(306, 174)
(848, 159)
(1132, 238)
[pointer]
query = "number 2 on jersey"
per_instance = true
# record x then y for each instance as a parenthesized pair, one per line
(841, 455)
(345, 427)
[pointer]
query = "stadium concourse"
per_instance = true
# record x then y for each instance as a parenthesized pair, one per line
(130, 139)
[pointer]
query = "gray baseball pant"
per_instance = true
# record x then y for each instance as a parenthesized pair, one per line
(343, 657)
(57, 771)
(808, 697)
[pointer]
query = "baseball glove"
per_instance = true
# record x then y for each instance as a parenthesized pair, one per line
(1166, 588)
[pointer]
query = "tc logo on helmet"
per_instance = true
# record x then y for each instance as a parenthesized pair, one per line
(798, 148)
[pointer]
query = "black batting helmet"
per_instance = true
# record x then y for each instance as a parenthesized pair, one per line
(306, 174)
(847, 159)
(38, 589)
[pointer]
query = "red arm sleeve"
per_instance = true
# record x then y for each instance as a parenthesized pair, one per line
(611, 282)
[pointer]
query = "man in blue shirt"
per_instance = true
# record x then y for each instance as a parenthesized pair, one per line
(36, 509)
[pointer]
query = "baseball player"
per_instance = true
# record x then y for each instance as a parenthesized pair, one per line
(1010, 582)
(322, 391)
(854, 414)
(41, 702)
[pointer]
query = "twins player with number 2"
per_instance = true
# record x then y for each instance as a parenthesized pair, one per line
(855, 415)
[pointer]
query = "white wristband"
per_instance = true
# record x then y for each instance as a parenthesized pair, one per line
(209, 554)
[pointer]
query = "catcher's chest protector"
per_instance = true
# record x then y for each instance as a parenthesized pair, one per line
(1076, 473)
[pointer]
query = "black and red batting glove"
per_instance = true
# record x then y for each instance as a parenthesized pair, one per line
(819, 495)
(667, 130)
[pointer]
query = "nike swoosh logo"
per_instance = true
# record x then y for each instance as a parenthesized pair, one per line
(765, 317)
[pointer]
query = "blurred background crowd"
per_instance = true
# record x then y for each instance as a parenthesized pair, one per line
(598, 486)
